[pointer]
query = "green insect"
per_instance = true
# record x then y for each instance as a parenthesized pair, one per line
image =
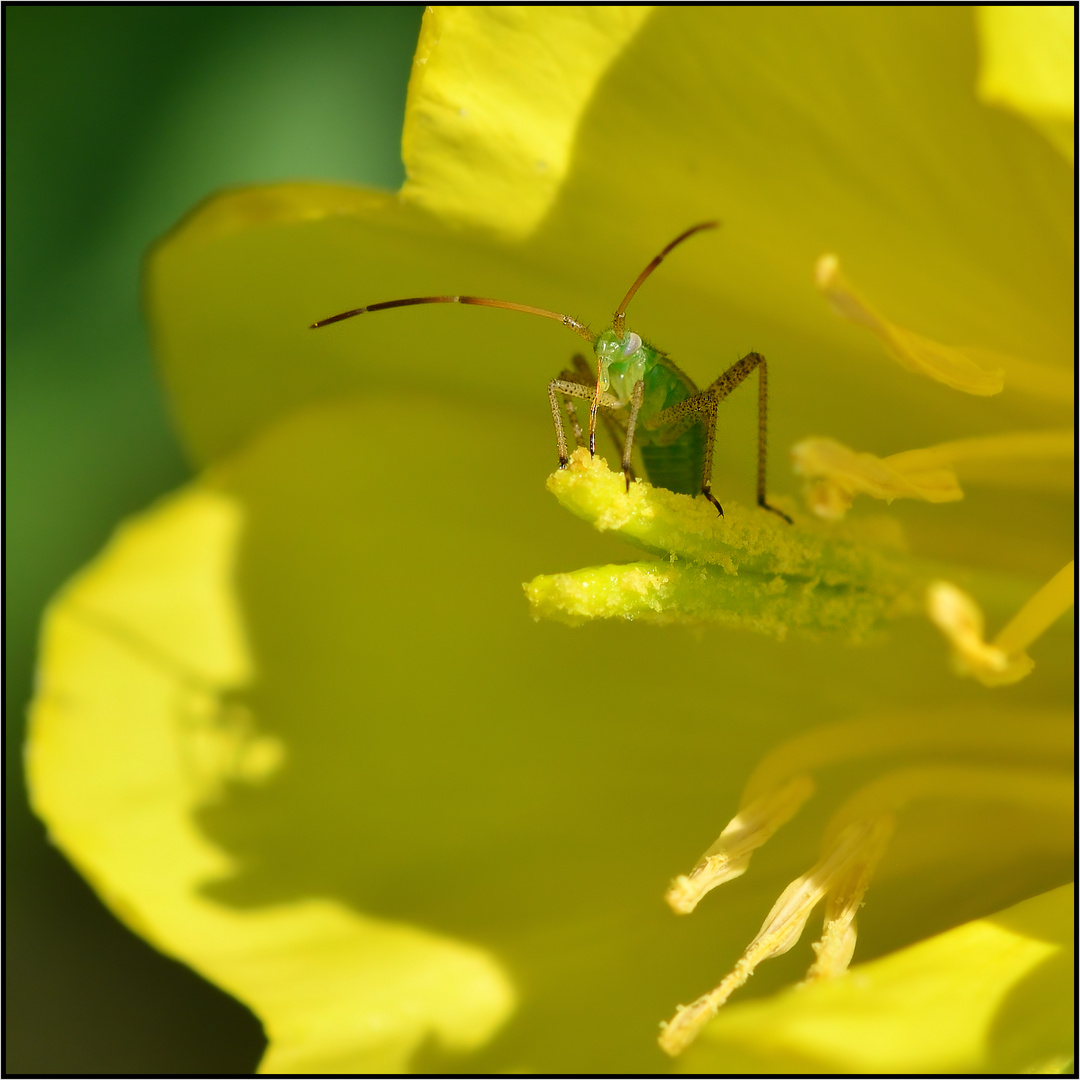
(646, 399)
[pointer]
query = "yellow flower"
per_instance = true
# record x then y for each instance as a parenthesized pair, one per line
(297, 728)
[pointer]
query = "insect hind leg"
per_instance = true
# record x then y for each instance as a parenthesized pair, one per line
(703, 406)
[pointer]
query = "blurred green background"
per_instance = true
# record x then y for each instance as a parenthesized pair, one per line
(119, 119)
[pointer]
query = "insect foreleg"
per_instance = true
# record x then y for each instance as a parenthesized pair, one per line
(571, 411)
(568, 387)
(614, 419)
(631, 424)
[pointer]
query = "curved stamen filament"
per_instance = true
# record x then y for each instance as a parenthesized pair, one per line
(1033, 735)
(1040, 612)
(1038, 791)
(956, 366)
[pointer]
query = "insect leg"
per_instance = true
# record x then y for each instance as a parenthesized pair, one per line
(575, 424)
(570, 388)
(614, 420)
(710, 441)
(762, 425)
(631, 423)
(568, 405)
(581, 367)
(593, 409)
(703, 406)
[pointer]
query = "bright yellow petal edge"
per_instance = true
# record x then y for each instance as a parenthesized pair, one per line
(497, 162)
(119, 778)
(1028, 65)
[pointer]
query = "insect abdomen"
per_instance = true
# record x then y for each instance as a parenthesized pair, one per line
(678, 467)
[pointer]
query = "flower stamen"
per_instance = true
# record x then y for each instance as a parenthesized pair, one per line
(987, 459)
(837, 945)
(954, 366)
(845, 473)
(1007, 736)
(748, 830)
(781, 783)
(1039, 791)
(1003, 661)
(961, 621)
(859, 832)
(928, 473)
(847, 861)
(1040, 612)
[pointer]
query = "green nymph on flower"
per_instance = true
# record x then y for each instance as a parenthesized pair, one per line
(298, 729)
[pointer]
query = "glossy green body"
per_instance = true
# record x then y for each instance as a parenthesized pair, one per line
(676, 464)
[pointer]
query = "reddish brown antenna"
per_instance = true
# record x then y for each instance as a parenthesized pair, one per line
(481, 301)
(619, 322)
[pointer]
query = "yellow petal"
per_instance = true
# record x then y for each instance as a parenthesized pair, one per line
(1027, 64)
(258, 266)
(877, 177)
(624, 194)
(146, 661)
(372, 584)
(497, 162)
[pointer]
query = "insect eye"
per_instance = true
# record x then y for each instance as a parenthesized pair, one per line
(631, 345)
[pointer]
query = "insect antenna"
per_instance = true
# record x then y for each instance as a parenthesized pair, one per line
(619, 321)
(481, 301)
